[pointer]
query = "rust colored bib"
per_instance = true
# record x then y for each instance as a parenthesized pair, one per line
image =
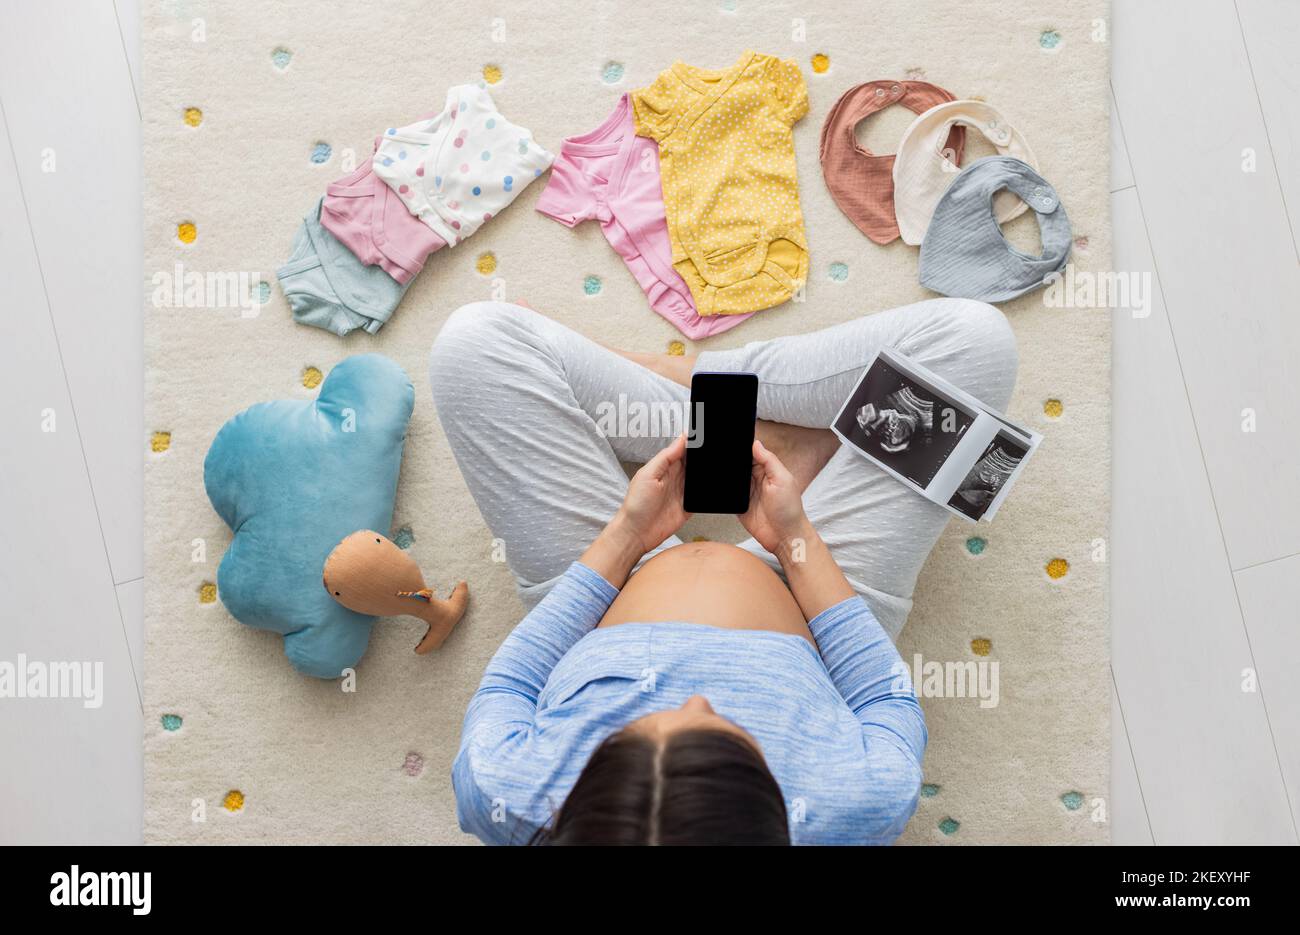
(861, 182)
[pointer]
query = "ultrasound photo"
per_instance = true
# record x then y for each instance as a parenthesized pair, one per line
(901, 422)
(993, 469)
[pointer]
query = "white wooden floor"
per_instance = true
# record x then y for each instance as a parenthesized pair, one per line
(1206, 535)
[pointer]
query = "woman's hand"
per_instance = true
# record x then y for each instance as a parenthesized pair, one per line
(651, 512)
(652, 509)
(775, 516)
(778, 523)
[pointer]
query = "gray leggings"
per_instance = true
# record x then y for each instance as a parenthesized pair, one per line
(520, 398)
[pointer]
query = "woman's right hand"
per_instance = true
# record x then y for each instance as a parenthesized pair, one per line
(775, 517)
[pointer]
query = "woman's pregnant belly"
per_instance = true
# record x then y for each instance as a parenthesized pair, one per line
(712, 583)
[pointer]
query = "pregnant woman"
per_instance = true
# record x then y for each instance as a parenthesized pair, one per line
(661, 692)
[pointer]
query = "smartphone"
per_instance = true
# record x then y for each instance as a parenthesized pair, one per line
(719, 446)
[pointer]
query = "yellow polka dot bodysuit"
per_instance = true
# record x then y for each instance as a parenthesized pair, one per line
(731, 192)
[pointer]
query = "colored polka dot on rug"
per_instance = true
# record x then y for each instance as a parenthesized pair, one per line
(413, 765)
(404, 538)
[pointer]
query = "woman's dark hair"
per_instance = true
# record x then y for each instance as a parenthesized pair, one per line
(697, 787)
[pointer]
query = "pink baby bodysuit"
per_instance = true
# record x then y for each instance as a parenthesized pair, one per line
(371, 221)
(612, 175)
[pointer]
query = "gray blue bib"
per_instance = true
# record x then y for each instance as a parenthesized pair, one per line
(964, 253)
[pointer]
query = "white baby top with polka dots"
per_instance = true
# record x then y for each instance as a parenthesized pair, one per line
(458, 169)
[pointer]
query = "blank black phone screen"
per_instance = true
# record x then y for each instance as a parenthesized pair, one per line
(719, 449)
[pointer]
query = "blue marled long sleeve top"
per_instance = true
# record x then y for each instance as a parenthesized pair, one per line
(841, 731)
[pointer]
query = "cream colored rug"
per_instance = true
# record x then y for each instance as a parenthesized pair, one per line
(251, 108)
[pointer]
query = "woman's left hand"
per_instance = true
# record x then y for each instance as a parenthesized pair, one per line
(652, 509)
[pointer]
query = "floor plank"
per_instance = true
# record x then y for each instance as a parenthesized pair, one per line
(1128, 812)
(1223, 248)
(1202, 749)
(1271, 29)
(1270, 603)
(85, 218)
(128, 25)
(71, 774)
(1121, 172)
(130, 602)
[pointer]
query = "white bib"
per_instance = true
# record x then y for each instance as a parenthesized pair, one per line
(923, 170)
